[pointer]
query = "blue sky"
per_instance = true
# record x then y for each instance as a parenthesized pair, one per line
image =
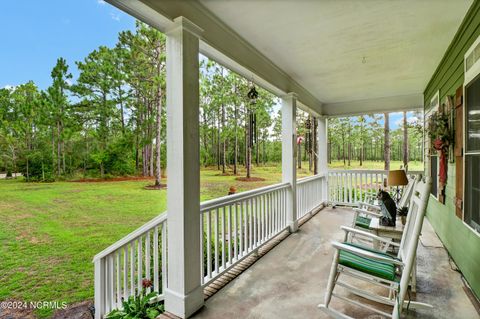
(35, 33)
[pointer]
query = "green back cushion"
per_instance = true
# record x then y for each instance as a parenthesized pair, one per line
(370, 266)
(363, 222)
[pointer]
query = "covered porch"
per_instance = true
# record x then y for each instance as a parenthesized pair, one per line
(290, 280)
(332, 62)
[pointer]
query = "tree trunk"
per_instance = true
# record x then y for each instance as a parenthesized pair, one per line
(235, 156)
(224, 153)
(158, 172)
(218, 144)
(349, 153)
(122, 116)
(387, 142)
(59, 151)
(53, 149)
(248, 159)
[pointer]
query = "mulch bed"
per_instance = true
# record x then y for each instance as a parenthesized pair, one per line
(156, 187)
(115, 179)
(250, 179)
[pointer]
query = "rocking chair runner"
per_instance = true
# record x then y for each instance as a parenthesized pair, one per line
(379, 268)
(366, 211)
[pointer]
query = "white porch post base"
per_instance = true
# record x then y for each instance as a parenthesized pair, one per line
(289, 155)
(184, 306)
(184, 294)
(322, 158)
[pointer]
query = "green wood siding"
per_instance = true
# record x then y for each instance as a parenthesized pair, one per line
(461, 242)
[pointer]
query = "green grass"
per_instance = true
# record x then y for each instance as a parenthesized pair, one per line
(50, 232)
(412, 166)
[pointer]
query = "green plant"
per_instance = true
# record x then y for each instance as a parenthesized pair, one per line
(438, 130)
(141, 306)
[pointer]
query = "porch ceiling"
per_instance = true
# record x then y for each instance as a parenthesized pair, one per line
(349, 50)
(340, 57)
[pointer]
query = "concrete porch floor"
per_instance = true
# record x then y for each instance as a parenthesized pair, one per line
(290, 280)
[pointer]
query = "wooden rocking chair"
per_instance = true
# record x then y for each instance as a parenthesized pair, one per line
(377, 267)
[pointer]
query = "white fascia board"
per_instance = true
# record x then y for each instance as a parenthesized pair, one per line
(220, 43)
(400, 103)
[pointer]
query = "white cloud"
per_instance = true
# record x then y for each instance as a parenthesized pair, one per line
(115, 16)
(102, 2)
(9, 87)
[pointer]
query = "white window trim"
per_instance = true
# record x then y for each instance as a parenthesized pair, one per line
(470, 75)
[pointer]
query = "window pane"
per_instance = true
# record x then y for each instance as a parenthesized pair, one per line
(473, 117)
(434, 174)
(472, 191)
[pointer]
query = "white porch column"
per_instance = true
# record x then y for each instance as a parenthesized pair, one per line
(184, 293)
(289, 163)
(322, 154)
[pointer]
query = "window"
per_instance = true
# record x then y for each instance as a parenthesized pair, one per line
(471, 207)
(472, 154)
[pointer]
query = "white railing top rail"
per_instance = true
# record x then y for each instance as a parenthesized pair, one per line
(132, 236)
(309, 178)
(232, 199)
(371, 171)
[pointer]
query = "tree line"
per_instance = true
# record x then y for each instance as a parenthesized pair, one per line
(362, 138)
(110, 120)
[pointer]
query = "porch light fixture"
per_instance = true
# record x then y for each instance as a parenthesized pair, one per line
(397, 178)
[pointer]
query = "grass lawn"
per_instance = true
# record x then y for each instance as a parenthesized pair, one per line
(50, 231)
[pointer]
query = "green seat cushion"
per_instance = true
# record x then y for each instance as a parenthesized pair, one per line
(363, 222)
(385, 270)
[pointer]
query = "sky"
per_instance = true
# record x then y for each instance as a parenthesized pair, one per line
(35, 33)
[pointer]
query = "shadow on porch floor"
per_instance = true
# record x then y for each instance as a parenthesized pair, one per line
(290, 280)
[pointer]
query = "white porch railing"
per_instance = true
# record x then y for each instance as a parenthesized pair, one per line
(347, 187)
(120, 269)
(232, 228)
(236, 225)
(310, 193)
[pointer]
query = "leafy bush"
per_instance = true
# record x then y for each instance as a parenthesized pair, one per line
(140, 306)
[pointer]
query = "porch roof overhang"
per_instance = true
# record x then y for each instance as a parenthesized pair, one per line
(339, 57)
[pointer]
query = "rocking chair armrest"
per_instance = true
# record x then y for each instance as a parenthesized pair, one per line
(366, 212)
(375, 207)
(369, 235)
(366, 253)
